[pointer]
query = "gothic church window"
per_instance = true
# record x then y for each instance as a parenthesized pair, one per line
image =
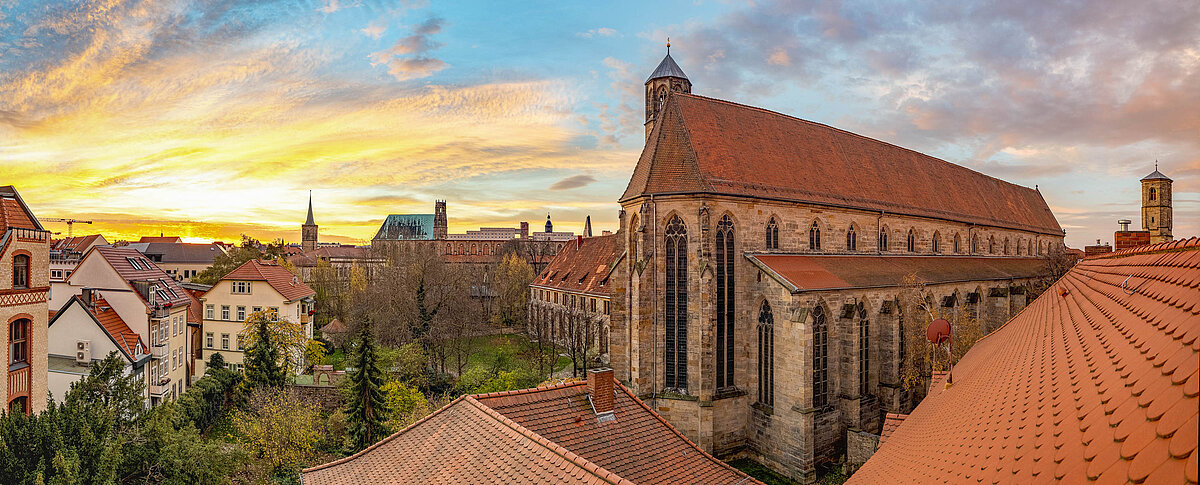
(1153, 193)
(814, 237)
(772, 234)
(820, 381)
(725, 302)
(912, 241)
(883, 239)
(864, 352)
(675, 308)
(766, 355)
(851, 239)
(937, 242)
(957, 243)
(991, 245)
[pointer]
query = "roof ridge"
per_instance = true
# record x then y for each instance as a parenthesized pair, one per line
(834, 128)
(557, 449)
(1191, 243)
(528, 390)
(386, 439)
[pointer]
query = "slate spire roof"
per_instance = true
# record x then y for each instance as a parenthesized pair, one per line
(667, 68)
(309, 222)
(1156, 175)
(1096, 380)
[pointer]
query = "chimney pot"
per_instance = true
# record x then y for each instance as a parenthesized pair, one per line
(579, 240)
(600, 390)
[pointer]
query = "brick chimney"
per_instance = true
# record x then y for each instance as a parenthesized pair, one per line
(600, 390)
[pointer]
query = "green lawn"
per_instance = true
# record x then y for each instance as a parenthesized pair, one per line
(760, 472)
(489, 347)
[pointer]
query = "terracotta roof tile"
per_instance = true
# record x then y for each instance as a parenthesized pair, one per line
(282, 280)
(76, 243)
(712, 146)
(13, 212)
(583, 269)
(1093, 381)
(890, 423)
(119, 259)
(804, 272)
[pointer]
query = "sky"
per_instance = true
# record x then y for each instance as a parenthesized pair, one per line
(210, 119)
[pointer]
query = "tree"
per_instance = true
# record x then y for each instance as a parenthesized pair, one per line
(228, 261)
(366, 409)
(264, 362)
(406, 404)
(921, 358)
(513, 277)
(278, 429)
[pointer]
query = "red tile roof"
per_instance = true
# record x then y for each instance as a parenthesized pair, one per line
(76, 243)
(13, 212)
(705, 145)
(542, 435)
(890, 423)
(824, 272)
(310, 258)
(583, 269)
(160, 239)
(119, 259)
(282, 280)
(110, 322)
(1096, 380)
(335, 326)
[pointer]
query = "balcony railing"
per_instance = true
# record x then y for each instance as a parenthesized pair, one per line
(304, 319)
(160, 386)
(160, 312)
(18, 382)
(24, 234)
(160, 350)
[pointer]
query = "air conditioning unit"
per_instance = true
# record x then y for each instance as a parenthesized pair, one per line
(83, 352)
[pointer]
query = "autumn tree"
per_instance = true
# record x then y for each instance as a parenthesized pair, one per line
(228, 261)
(917, 309)
(513, 277)
(366, 409)
(278, 429)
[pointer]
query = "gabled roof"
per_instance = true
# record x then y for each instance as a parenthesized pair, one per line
(122, 260)
(282, 280)
(76, 243)
(180, 252)
(705, 145)
(335, 326)
(1097, 379)
(543, 435)
(667, 68)
(813, 272)
(14, 212)
(111, 323)
(160, 239)
(582, 268)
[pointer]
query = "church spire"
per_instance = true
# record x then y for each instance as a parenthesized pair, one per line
(310, 217)
(587, 224)
(667, 78)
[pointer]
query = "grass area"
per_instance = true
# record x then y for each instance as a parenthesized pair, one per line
(337, 358)
(507, 347)
(760, 472)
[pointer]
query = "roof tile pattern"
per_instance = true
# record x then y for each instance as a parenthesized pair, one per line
(582, 268)
(464, 442)
(126, 338)
(890, 423)
(282, 280)
(639, 445)
(12, 213)
(75, 243)
(824, 272)
(1095, 381)
(119, 259)
(713, 146)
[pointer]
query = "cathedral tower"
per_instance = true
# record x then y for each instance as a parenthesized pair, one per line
(439, 219)
(1156, 206)
(665, 79)
(308, 231)
(549, 225)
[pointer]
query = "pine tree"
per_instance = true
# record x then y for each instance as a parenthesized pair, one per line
(366, 409)
(263, 366)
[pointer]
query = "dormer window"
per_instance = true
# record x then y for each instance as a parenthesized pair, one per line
(134, 262)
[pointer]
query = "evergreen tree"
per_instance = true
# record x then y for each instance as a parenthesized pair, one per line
(263, 363)
(366, 409)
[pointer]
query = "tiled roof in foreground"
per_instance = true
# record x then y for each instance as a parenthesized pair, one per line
(1095, 380)
(532, 436)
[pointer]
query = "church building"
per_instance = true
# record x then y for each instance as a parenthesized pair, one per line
(756, 305)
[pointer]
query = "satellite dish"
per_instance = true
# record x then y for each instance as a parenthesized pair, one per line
(938, 331)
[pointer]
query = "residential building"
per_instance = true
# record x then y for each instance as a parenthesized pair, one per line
(593, 432)
(569, 300)
(181, 260)
(148, 301)
(24, 291)
(65, 254)
(88, 329)
(253, 287)
(756, 306)
(1095, 382)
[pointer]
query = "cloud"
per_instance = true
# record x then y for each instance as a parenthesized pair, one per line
(408, 59)
(572, 182)
(602, 32)
(374, 29)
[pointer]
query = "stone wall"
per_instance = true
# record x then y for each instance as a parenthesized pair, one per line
(860, 445)
(330, 398)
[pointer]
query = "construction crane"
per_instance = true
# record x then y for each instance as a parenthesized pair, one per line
(70, 224)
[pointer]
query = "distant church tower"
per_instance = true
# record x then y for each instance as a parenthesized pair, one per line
(308, 231)
(665, 79)
(549, 226)
(439, 219)
(1156, 206)
(587, 227)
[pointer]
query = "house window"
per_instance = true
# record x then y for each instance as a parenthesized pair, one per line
(240, 287)
(606, 307)
(240, 345)
(851, 239)
(56, 274)
(814, 237)
(18, 342)
(676, 308)
(21, 271)
(912, 241)
(864, 354)
(208, 339)
(883, 239)
(224, 312)
(241, 313)
(274, 310)
(766, 355)
(820, 380)
(772, 234)
(208, 312)
(256, 309)
(224, 341)
(1153, 193)
(725, 302)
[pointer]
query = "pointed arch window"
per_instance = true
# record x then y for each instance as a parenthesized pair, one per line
(820, 381)
(936, 242)
(864, 352)
(772, 234)
(851, 239)
(676, 303)
(725, 302)
(1006, 246)
(1153, 193)
(766, 355)
(991, 244)
(912, 241)
(883, 239)
(814, 237)
(957, 244)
